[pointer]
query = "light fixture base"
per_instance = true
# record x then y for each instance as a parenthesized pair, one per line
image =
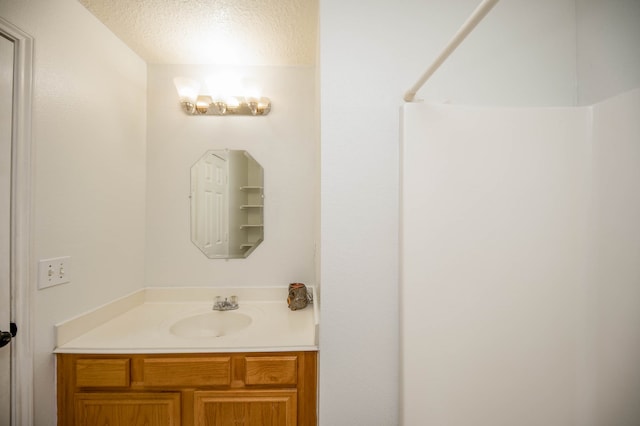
(204, 105)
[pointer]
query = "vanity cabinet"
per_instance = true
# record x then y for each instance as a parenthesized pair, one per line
(126, 408)
(249, 389)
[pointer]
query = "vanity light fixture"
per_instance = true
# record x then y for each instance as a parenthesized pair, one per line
(195, 103)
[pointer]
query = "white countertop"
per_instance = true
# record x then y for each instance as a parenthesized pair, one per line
(141, 322)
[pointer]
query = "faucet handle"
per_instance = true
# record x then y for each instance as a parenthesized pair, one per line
(234, 300)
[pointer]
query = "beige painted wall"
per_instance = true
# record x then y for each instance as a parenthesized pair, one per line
(89, 132)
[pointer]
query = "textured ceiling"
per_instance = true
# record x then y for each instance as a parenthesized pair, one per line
(228, 32)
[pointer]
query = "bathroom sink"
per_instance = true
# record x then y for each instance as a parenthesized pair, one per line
(211, 324)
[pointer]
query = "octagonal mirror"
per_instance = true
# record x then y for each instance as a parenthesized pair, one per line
(227, 202)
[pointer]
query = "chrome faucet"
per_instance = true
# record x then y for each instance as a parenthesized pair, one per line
(226, 304)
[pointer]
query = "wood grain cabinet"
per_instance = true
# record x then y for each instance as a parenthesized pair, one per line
(244, 389)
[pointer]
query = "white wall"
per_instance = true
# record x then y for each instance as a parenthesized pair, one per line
(608, 61)
(89, 177)
(285, 143)
(371, 53)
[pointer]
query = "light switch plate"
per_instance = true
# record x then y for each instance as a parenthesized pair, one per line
(54, 271)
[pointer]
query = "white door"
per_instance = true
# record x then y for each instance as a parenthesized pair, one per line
(6, 105)
(216, 216)
(210, 205)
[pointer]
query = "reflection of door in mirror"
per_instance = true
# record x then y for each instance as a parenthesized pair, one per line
(210, 198)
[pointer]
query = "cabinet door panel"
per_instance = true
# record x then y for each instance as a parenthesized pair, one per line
(169, 372)
(127, 409)
(246, 408)
(102, 372)
(271, 370)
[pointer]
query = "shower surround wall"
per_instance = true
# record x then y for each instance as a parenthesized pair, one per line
(520, 300)
(612, 308)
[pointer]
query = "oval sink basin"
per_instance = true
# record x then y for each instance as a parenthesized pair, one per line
(211, 324)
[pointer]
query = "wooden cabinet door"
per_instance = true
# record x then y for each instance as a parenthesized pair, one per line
(127, 409)
(246, 408)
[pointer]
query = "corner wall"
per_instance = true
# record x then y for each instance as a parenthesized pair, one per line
(88, 193)
(608, 62)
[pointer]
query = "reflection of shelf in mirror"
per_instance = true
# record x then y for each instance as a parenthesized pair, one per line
(246, 245)
(247, 188)
(251, 206)
(250, 226)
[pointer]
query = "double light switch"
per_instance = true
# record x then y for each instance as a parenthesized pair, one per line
(54, 271)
